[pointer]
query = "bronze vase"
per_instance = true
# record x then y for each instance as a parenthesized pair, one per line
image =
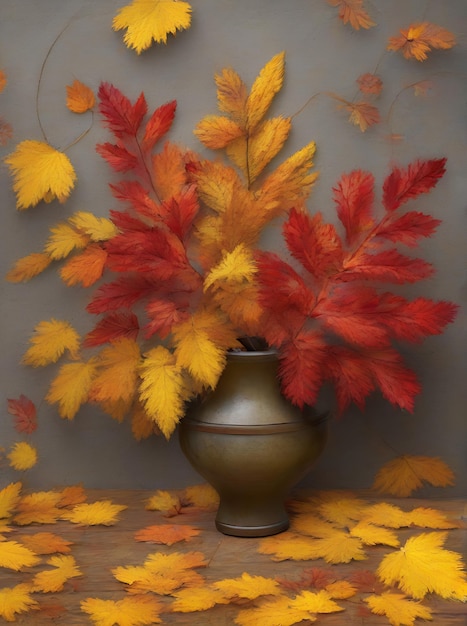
(251, 444)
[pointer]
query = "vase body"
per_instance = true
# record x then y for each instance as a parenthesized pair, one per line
(251, 444)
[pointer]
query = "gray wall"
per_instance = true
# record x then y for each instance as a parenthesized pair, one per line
(321, 55)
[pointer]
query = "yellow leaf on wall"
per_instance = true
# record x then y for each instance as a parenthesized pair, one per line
(15, 600)
(53, 580)
(97, 228)
(28, 266)
(423, 566)
(40, 173)
(9, 498)
(102, 512)
(146, 21)
(265, 143)
(397, 608)
(403, 475)
(50, 341)
(215, 183)
(15, 556)
(266, 85)
(63, 240)
(232, 95)
(22, 456)
(71, 387)
(80, 98)
(137, 611)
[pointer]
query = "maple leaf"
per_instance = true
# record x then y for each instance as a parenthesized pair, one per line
(352, 12)
(40, 172)
(315, 602)
(63, 240)
(273, 612)
(247, 586)
(46, 543)
(9, 498)
(101, 512)
(384, 514)
(167, 534)
(136, 611)
(423, 566)
(420, 176)
(22, 456)
(203, 496)
(312, 525)
(51, 340)
(80, 98)
(403, 475)
(15, 556)
(28, 267)
(15, 600)
(54, 580)
(354, 197)
(25, 414)
(372, 535)
(71, 387)
(342, 511)
(419, 38)
(370, 84)
(366, 581)
(431, 518)
(336, 547)
(164, 501)
(196, 599)
(398, 609)
(146, 22)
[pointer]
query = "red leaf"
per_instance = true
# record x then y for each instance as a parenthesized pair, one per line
(25, 414)
(159, 124)
(125, 222)
(389, 266)
(123, 118)
(121, 294)
(179, 212)
(117, 156)
(312, 242)
(354, 197)
(421, 318)
(352, 379)
(138, 198)
(408, 228)
(163, 316)
(419, 177)
(366, 581)
(111, 327)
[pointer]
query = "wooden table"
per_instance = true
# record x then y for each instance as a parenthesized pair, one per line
(99, 549)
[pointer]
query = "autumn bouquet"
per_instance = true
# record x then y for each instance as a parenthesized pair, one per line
(185, 280)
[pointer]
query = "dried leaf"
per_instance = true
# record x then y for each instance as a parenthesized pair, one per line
(9, 498)
(315, 602)
(39, 507)
(147, 21)
(51, 340)
(25, 414)
(352, 12)
(53, 580)
(74, 494)
(46, 543)
(22, 456)
(416, 41)
(40, 173)
(247, 586)
(397, 608)
(370, 84)
(28, 267)
(167, 534)
(136, 611)
(389, 515)
(403, 475)
(102, 512)
(343, 511)
(80, 98)
(117, 375)
(423, 566)
(431, 518)
(272, 613)
(15, 556)
(164, 501)
(202, 496)
(15, 600)
(372, 535)
(362, 114)
(196, 599)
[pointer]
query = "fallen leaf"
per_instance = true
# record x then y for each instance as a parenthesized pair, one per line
(372, 535)
(39, 507)
(272, 613)
(15, 600)
(196, 599)
(102, 512)
(166, 502)
(15, 556)
(315, 602)
(247, 586)
(9, 498)
(134, 611)
(25, 414)
(72, 495)
(341, 590)
(203, 496)
(397, 608)
(431, 518)
(46, 543)
(53, 580)
(167, 533)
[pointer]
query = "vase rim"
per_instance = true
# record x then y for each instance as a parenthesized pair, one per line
(252, 354)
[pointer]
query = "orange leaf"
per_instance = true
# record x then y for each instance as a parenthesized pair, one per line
(85, 268)
(362, 114)
(370, 84)
(167, 534)
(46, 543)
(419, 38)
(25, 414)
(80, 98)
(3, 80)
(353, 13)
(403, 475)
(72, 495)
(28, 266)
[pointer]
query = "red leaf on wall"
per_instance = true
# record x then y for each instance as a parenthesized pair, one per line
(388, 266)
(179, 212)
(118, 157)
(25, 414)
(111, 327)
(419, 177)
(159, 124)
(133, 192)
(121, 293)
(408, 228)
(122, 117)
(354, 197)
(163, 315)
(352, 379)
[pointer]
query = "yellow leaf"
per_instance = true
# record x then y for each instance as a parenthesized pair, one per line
(431, 518)
(215, 183)
(148, 20)
(342, 511)
(340, 547)
(174, 564)
(203, 496)
(341, 590)
(22, 456)
(71, 387)
(97, 228)
(54, 580)
(312, 525)
(272, 613)
(51, 340)
(319, 602)
(384, 514)
(397, 608)
(136, 611)
(142, 426)
(232, 95)
(63, 240)
(196, 599)
(86, 268)
(265, 143)
(289, 546)
(163, 501)
(40, 173)
(247, 586)
(216, 131)
(117, 371)
(102, 512)
(28, 266)
(140, 580)
(9, 498)
(372, 535)
(352, 12)
(16, 600)
(162, 389)
(235, 269)
(423, 566)
(46, 543)
(117, 409)
(15, 556)
(266, 85)
(39, 507)
(80, 98)
(403, 475)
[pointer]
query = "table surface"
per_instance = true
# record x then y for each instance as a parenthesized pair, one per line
(99, 549)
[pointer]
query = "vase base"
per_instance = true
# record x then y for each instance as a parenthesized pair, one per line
(252, 531)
